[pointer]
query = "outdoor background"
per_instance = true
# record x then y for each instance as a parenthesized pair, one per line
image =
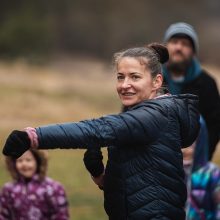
(55, 66)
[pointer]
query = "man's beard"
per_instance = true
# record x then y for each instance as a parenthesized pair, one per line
(179, 67)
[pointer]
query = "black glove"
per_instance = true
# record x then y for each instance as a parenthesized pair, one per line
(16, 144)
(93, 162)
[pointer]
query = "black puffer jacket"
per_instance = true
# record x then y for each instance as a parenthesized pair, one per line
(144, 175)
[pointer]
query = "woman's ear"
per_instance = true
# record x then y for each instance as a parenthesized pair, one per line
(158, 81)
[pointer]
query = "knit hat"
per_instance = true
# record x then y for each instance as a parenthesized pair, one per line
(181, 28)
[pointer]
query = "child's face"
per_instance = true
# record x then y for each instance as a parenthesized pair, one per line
(26, 165)
(188, 152)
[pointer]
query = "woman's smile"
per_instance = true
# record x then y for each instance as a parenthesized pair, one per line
(128, 93)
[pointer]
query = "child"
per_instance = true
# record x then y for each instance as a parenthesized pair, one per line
(203, 180)
(32, 195)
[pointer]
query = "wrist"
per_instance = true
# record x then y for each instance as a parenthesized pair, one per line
(99, 180)
(96, 177)
(32, 134)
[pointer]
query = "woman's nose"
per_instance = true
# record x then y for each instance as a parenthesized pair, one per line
(126, 83)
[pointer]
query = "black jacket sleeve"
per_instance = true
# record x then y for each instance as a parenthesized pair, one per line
(138, 126)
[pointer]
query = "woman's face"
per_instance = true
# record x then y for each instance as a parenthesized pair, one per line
(26, 165)
(134, 82)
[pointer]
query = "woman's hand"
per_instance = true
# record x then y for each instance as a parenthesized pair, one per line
(93, 162)
(16, 144)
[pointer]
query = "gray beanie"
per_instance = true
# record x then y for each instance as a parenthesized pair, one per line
(182, 28)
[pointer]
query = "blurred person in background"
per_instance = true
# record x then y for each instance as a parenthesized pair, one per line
(32, 195)
(144, 176)
(184, 74)
(203, 180)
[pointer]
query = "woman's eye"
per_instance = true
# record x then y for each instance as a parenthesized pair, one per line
(120, 77)
(135, 77)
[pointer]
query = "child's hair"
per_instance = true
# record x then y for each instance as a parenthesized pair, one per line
(41, 159)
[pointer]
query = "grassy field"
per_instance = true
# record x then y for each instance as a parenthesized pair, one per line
(62, 91)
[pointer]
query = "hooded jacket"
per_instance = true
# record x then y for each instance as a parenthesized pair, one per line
(203, 182)
(144, 177)
(38, 199)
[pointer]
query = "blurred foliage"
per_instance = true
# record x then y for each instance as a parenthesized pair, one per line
(101, 27)
(23, 34)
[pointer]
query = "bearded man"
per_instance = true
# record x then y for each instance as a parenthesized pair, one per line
(184, 74)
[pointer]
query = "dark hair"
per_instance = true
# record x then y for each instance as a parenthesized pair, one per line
(152, 56)
(41, 159)
(161, 51)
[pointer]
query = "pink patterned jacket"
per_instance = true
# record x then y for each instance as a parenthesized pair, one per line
(35, 200)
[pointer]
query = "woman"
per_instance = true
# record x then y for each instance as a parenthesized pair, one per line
(31, 194)
(144, 177)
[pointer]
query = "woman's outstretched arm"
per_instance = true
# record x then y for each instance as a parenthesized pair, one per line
(139, 126)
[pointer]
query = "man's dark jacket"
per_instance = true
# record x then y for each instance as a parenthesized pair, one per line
(204, 86)
(144, 177)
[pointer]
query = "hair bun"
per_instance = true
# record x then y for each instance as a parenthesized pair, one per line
(161, 51)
